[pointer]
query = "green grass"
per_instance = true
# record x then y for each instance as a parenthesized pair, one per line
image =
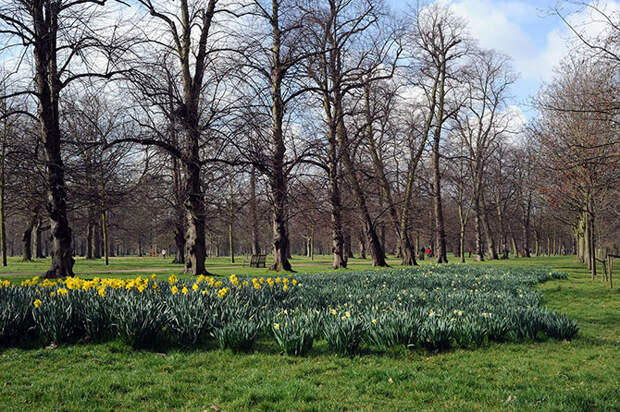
(549, 375)
(133, 265)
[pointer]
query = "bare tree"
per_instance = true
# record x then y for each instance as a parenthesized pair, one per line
(482, 123)
(442, 42)
(64, 39)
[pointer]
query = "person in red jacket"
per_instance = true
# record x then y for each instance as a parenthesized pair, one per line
(428, 251)
(469, 252)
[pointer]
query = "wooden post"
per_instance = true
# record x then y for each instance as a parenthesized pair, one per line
(610, 259)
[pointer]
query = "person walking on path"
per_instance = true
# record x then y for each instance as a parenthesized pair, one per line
(163, 254)
(469, 252)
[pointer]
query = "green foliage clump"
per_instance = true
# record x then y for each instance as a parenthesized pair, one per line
(295, 333)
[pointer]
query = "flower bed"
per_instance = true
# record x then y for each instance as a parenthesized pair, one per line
(435, 307)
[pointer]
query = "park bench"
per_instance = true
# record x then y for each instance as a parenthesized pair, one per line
(257, 261)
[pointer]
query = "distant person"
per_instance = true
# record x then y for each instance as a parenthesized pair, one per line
(428, 252)
(163, 253)
(469, 252)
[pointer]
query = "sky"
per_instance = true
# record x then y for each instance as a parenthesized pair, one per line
(526, 31)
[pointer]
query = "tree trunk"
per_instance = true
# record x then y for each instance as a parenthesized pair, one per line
(513, 241)
(253, 214)
(90, 233)
(461, 235)
(312, 243)
(440, 247)
(280, 243)
(376, 249)
(231, 218)
(362, 245)
(339, 258)
(2, 186)
(45, 20)
(278, 178)
(348, 250)
(526, 227)
(38, 231)
(179, 223)
(591, 232)
(27, 240)
(98, 244)
(194, 207)
(478, 229)
(490, 241)
(104, 228)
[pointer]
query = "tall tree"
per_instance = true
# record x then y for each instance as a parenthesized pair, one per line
(64, 37)
(482, 123)
(442, 43)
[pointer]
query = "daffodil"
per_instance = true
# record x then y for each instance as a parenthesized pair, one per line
(37, 303)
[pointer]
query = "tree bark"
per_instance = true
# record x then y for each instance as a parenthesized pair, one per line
(104, 228)
(525, 226)
(179, 223)
(27, 238)
(253, 214)
(478, 229)
(362, 245)
(278, 178)
(440, 247)
(90, 232)
(45, 20)
(231, 218)
(339, 259)
(194, 206)
(37, 233)
(461, 234)
(2, 187)
(376, 249)
(490, 241)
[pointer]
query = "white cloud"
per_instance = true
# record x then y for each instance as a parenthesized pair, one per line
(560, 41)
(499, 26)
(516, 28)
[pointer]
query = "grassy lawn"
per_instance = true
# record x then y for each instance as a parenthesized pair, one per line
(549, 375)
(133, 266)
